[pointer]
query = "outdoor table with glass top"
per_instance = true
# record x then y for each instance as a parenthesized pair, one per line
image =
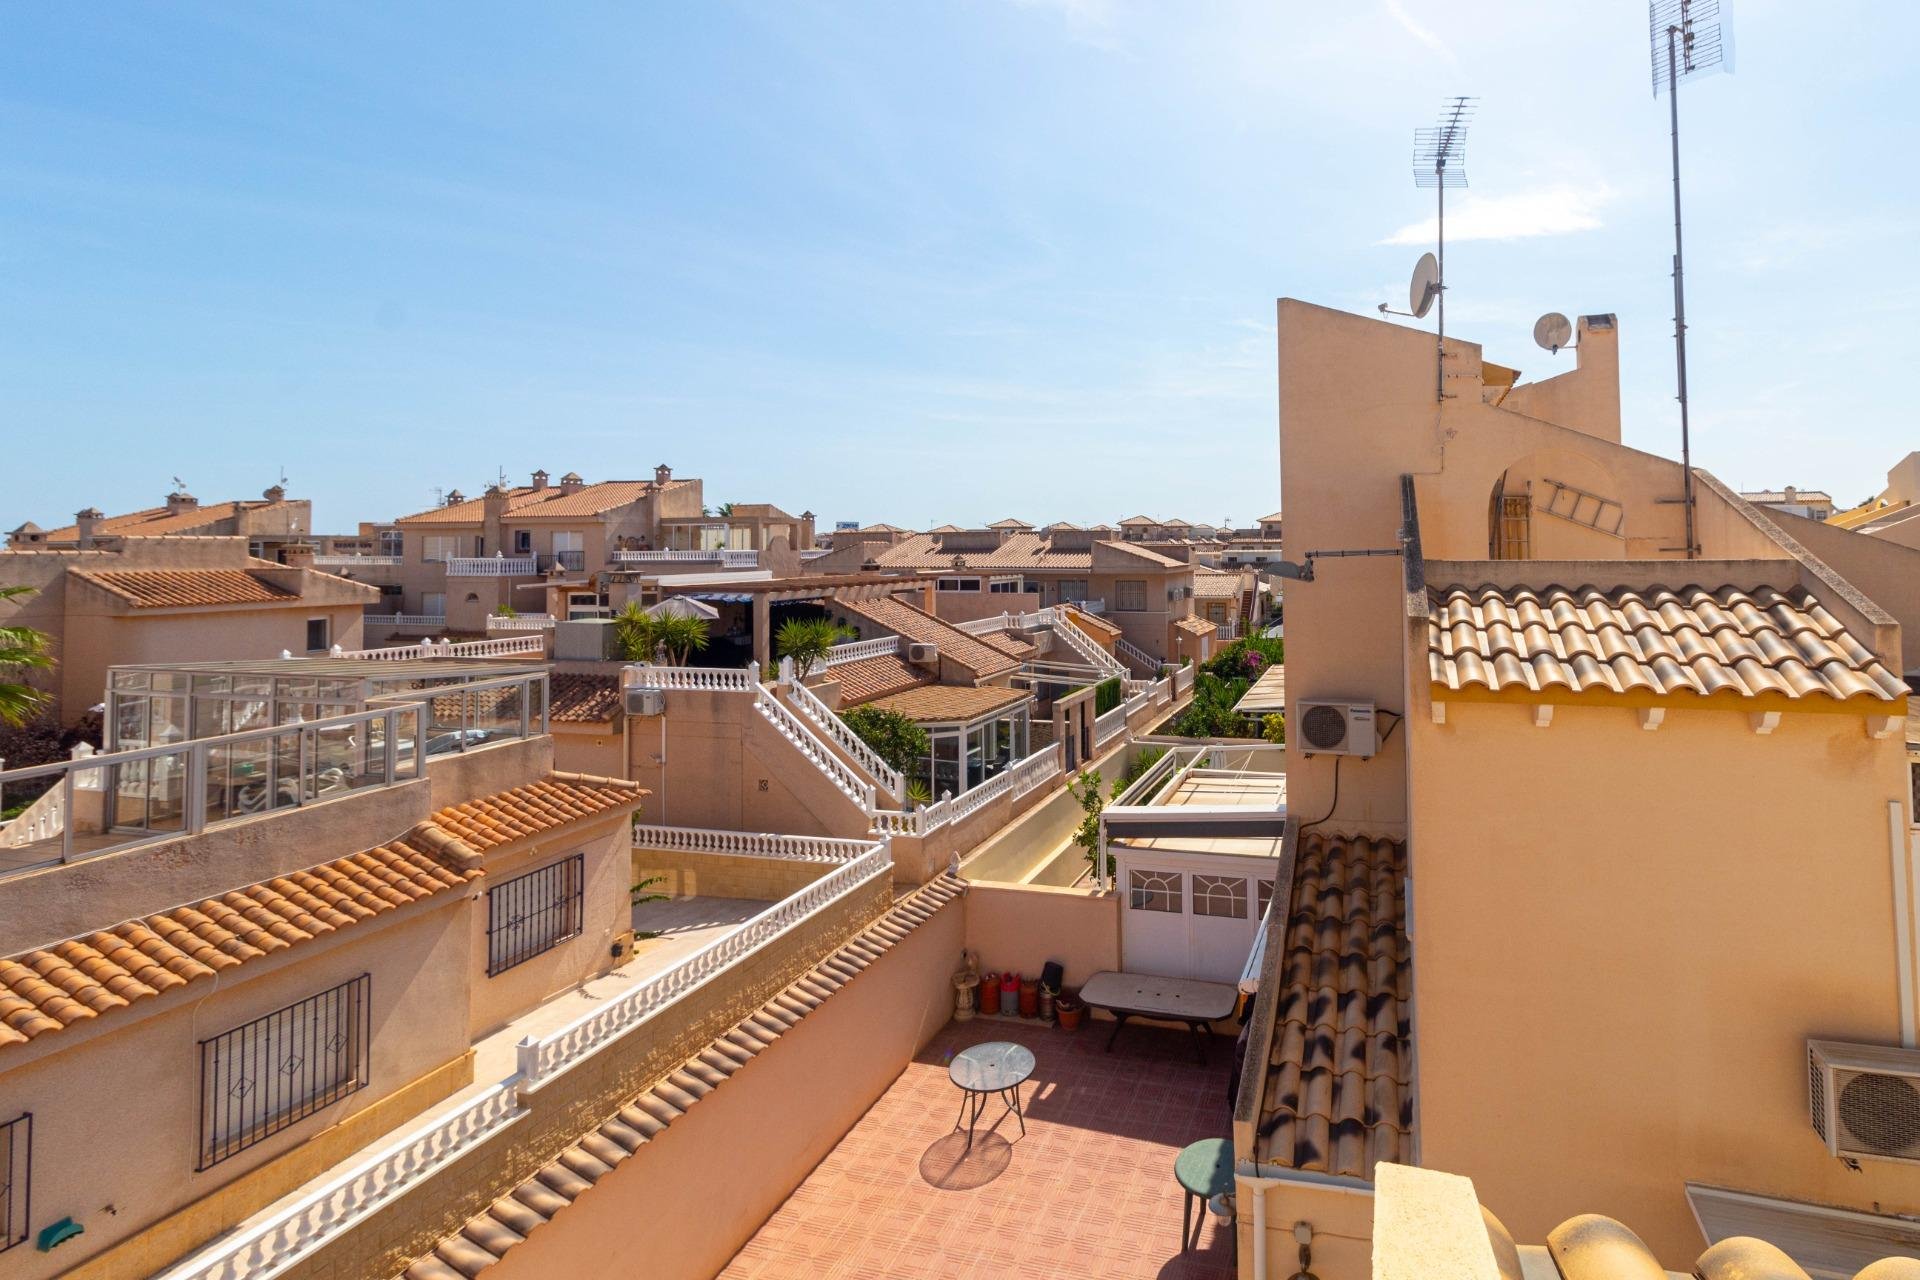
(997, 1067)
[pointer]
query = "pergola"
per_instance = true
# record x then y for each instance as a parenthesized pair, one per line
(763, 594)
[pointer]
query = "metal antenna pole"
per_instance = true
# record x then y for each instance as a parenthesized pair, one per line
(1439, 161)
(1440, 336)
(1680, 298)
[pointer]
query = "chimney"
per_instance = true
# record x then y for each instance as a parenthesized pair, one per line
(455, 497)
(539, 481)
(662, 474)
(181, 501)
(806, 531)
(297, 555)
(494, 501)
(572, 483)
(275, 493)
(87, 520)
(1789, 493)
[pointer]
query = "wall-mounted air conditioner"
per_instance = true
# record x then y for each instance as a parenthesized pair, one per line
(1865, 1100)
(643, 700)
(1336, 728)
(923, 655)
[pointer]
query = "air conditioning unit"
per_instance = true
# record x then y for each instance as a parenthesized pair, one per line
(1865, 1100)
(643, 700)
(923, 655)
(1336, 728)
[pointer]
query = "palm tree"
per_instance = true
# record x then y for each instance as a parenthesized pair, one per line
(725, 510)
(682, 634)
(634, 632)
(808, 641)
(21, 648)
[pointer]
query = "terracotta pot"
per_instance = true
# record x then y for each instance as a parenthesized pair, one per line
(1069, 1011)
(990, 993)
(1029, 999)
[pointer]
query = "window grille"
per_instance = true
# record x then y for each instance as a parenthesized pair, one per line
(534, 912)
(1224, 896)
(1130, 594)
(16, 1180)
(266, 1075)
(1913, 779)
(1155, 890)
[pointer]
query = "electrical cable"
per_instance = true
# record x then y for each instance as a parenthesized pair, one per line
(1336, 799)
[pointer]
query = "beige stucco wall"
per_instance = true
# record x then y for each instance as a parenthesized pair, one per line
(1623, 939)
(724, 875)
(699, 1170)
(606, 914)
(1887, 571)
(116, 1101)
(590, 748)
(1021, 927)
(1341, 1221)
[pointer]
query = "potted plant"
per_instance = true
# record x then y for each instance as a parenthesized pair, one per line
(1069, 1009)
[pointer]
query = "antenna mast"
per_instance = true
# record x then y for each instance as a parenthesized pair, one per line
(1439, 162)
(1685, 39)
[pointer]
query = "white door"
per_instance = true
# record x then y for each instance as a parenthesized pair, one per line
(1190, 915)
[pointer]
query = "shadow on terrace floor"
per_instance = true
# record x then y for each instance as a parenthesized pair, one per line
(1087, 1192)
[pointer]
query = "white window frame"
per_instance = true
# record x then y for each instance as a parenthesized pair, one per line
(1211, 893)
(437, 548)
(958, 584)
(1156, 890)
(326, 634)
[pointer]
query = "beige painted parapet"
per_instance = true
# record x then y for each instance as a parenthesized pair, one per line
(1427, 1225)
(1021, 927)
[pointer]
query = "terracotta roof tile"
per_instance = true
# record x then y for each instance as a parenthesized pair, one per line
(537, 808)
(917, 625)
(1018, 551)
(53, 988)
(581, 697)
(1008, 643)
(527, 503)
(183, 588)
(1686, 640)
(871, 678)
(1209, 584)
(486, 1238)
(945, 703)
(1339, 1095)
(1195, 625)
(157, 521)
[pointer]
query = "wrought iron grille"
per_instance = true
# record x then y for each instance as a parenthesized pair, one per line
(277, 1070)
(16, 1180)
(534, 912)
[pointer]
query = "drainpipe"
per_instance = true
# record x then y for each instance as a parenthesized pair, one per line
(1247, 1174)
(1897, 839)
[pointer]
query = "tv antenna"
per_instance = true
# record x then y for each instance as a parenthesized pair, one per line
(1686, 39)
(1439, 162)
(1553, 331)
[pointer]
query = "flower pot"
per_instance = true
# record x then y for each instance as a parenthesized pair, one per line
(1029, 999)
(1069, 1011)
(990, 993)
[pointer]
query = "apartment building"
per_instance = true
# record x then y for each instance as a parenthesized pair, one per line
(134, 598)
(1601, 845)
(1808, 504)
(268, 524)
(1888, 515)
(257, 934)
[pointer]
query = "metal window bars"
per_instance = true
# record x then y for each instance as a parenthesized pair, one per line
(266, 1075)
(534, 912)
(16, 1180)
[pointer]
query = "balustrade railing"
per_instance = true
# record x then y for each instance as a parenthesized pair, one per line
(356, 562)
(859, 649)
(521, 622)
(1135, 656)
(731, 559)
(700, 679)
(749, 844)
(1182, 679)
(795, 730)
(290, 1234)
(506, 647)
(1108, 725)
(1081, 643)
(1034, 771)
(489, 566)
(828, 721)
(411, 621)
(540, 1060)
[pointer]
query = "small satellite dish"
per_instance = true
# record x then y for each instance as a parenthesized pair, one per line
(1553, 331)
(1425, 286)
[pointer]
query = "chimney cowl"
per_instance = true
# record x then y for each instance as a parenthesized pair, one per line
(662, 474)
(181, 500)
(539, 481)
(572, 483)
(455, 497)
(275, 493)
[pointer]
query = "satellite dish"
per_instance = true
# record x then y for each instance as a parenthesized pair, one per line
(1553, 331)
(1425, 286)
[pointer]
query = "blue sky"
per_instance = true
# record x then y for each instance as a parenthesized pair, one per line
(900, 261)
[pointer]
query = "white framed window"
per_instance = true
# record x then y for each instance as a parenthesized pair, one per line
(317, 638)
(1004, 586)
(434, 604)
(391, 541)
(959, 584)
(1130, 595)
(1220, 896)
(1156, 891)
(438, 547)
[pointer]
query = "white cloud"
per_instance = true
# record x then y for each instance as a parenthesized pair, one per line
(1422, 34)
(1549, 211)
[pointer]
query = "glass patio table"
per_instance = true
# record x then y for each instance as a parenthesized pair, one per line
(997, 1067)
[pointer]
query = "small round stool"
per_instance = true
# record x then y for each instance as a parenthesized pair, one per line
(1204, 1170)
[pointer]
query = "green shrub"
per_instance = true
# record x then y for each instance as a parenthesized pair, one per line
(1274, 728)
(1086, 789)
(1143, 760)
(1106, 695)
(893, 737)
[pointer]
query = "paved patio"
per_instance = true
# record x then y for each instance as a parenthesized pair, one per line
(1088, 1192)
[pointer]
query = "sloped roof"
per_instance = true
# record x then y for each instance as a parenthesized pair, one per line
(1010, 523)
(1008, 643)
(871, 678)
(159, 521)
(1137, 522)
(903, 619)
(1141, 553)
(1338, 1096)
(528, 503)
(1195, 625)
(1690, 640)
(485, 1239)
(1018, 551)
(537, 808)
(52, 988)
(950, 703)
(1211, 584)
(1272, 519)
(575, 697)
(184, 588)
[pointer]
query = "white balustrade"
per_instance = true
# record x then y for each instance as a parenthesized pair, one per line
(411, 621)
(1081, 643)
(290, 1234)
(489, 566)
(728, 558)
(356, 562)
(795, 730)
(1108, 725)
(1134, 654)
(507, 647)
(749, 844)
(986, 626)
(700, 679)
(44, 819)
(542, 1059)
(521, 622)
(825, 719)
(859, 649)
(1182, 679)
